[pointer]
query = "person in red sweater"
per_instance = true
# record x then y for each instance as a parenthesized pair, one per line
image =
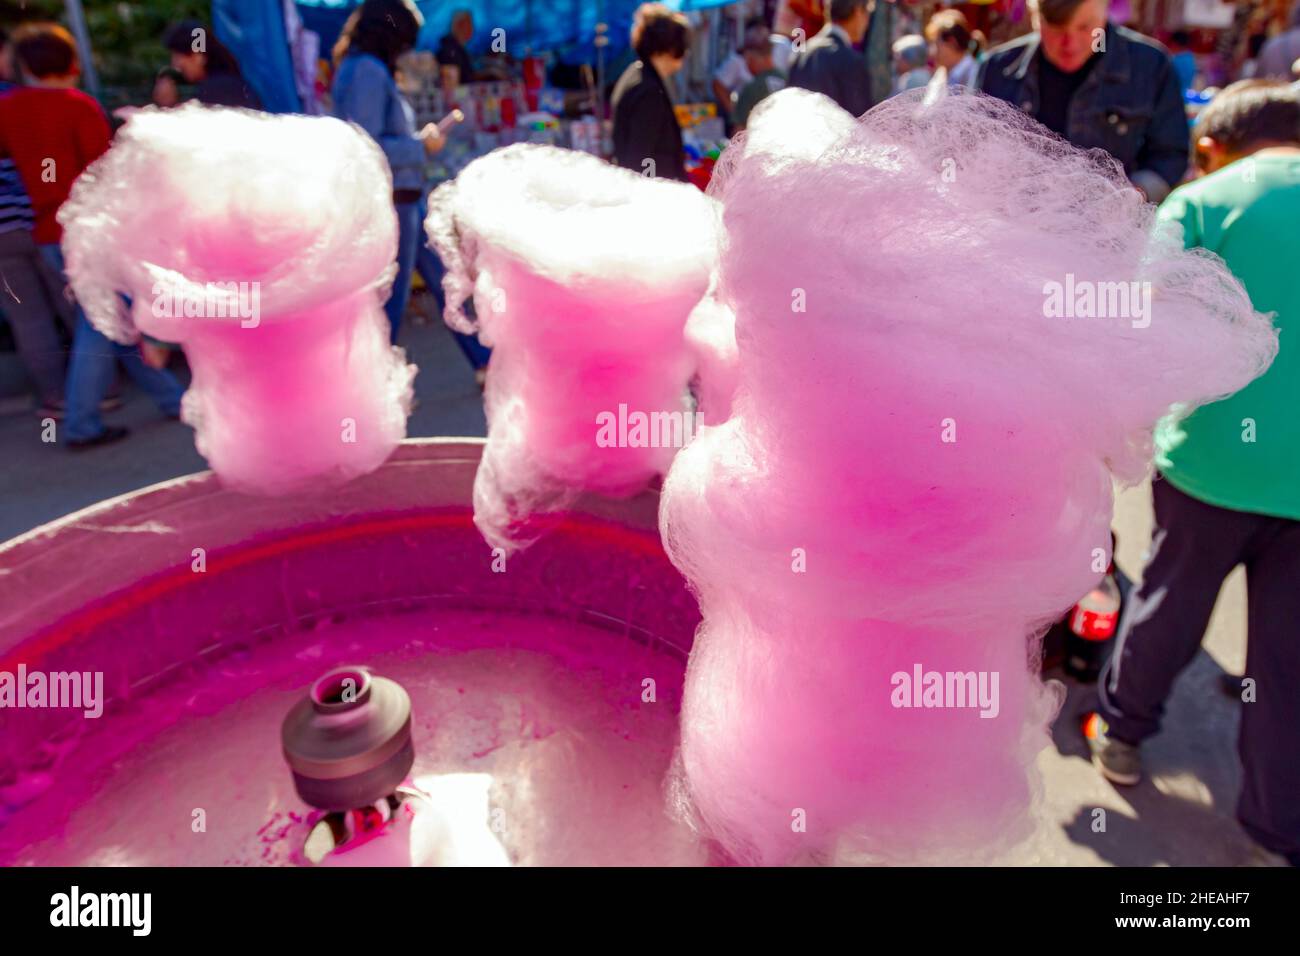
(53, 131)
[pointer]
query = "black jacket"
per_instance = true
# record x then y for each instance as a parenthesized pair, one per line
(1130, 105)
(645, 126)
(830, 65)
(226, 89)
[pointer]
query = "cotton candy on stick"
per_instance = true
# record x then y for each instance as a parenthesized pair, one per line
(264, 245)
(582, 276)
(917, 471)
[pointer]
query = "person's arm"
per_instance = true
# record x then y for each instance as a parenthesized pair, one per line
(364, 102)
(722, 94)
(1162, 160)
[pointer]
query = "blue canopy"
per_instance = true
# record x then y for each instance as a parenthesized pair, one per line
(566, 27)
(254, 31)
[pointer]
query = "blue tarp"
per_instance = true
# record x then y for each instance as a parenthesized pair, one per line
(566, 27)
(254, 31)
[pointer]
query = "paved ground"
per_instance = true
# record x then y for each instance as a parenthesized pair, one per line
(40, 481)
(1181, 815)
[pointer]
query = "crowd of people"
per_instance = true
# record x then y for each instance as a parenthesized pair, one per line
(1231, 183)
(51, 131)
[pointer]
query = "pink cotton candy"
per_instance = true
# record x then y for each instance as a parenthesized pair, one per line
(264, 245)
(582, 276)
(917, 470)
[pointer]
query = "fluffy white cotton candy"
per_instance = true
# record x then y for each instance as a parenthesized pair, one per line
(582, 276)
(265, 246)
(711, 337)
(917, 472)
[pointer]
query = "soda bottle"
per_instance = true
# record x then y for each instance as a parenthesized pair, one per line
(1090, 628)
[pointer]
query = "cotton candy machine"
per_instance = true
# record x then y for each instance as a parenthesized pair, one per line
(543, 687)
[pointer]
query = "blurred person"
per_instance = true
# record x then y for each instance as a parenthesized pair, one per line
(1229, 486)
(789, 26)
(1180, 51)
(32, 299)
(733, 73)
(204, 61)
(365, 92)
(911, 56)
(453, 49)
(955, 46)
(782, 52)
(647, 136)
(799, 19)
(48, 124)
(760, 60)
(1099, 86)
(167, 88)
(166, 94)
(829, 64)
(1278, 55)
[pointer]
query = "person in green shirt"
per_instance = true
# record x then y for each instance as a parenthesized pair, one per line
(757, 52)
(1229, 485)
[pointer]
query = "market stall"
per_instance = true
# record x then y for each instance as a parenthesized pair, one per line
(547, 68)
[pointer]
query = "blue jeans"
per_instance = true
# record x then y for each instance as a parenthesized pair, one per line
(410, 236)
(431, 271)
(92, 368)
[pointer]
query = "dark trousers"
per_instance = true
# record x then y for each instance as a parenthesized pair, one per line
(1194, 547)
(31, 295)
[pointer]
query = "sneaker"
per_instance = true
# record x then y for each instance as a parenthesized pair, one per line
(109, 435)
(1118, 762)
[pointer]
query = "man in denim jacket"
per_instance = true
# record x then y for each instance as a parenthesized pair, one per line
(1097, 85)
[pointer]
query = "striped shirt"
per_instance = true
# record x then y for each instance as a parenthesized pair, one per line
(15, 205)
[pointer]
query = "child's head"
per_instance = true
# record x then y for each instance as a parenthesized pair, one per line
(1244, 117)
(757, 50)
(910, 53)
(952, 38)
(46, 54)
